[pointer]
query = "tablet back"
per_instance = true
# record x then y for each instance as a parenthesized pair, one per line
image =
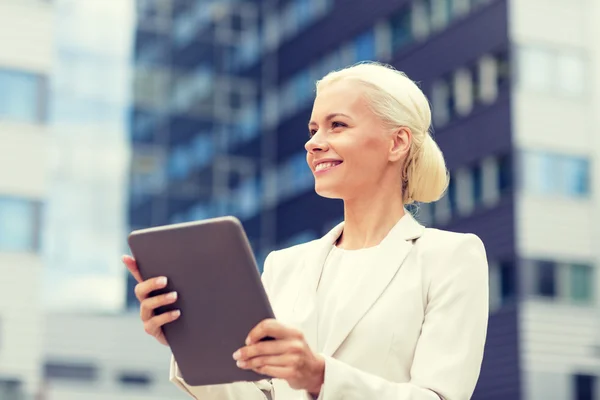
(211, 266)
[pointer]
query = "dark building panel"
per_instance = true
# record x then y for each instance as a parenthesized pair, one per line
(500, 377)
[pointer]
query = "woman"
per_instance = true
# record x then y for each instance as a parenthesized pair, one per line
(380, 307)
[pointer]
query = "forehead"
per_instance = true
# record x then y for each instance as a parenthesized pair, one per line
(343, 96)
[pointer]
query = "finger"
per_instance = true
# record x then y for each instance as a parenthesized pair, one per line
(276, 371)
(144, 288)
(154, 325)
(280, 360)
(272, 347)
(149, 304)
(132, 267)
(273, 328)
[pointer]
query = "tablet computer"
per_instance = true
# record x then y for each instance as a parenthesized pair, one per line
(220, 294)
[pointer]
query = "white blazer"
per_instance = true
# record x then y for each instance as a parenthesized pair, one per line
(415, 330)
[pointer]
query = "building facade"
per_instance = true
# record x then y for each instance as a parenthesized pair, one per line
(99, 357)
(512, 100)
(24, 145)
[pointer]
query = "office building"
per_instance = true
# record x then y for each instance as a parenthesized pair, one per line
(513, 91)
(26, 45)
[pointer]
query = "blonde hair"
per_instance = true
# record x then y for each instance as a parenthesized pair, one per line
(399, 102)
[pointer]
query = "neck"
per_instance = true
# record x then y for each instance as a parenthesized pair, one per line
(368, 219)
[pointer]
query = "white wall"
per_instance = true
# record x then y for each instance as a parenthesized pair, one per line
(113, 343)
(558, 339)
(25, 44)
(26, 34)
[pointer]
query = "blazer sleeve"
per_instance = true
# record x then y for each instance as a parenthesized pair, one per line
(261, 390)
(449, 351)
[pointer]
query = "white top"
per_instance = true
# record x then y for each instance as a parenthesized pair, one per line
(343, 272)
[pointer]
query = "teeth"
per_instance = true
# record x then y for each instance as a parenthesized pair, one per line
(326, 165)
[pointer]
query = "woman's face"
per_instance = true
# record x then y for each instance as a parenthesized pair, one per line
(349, 147)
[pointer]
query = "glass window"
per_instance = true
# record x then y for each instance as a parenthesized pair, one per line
(585, 387)
(135, 379)
(488, 79)
(420, 19)
(440, 13)
(576, 178)
(570, 74)
(581, 282)
(460, 7)
(554, 174)
(508, 281)
(402, 31)
(364, 47)
(18, 225)
(477, 184)
(545, 273)
(21, 96)
(463, 91)
(535, 68)
(452, 196)
(73, 372)
(439, 98)
(505, 175)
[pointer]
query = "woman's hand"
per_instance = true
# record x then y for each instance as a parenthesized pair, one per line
(152, 323)
(287, 357)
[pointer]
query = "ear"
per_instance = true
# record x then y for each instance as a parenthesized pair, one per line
(400, 143)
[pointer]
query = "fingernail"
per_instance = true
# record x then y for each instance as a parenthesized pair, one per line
(176, 313)
(172, 295)
(161, 281)
(247, 340)
(241, 364)
(236, 355)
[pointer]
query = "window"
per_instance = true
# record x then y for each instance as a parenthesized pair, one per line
(502, 283)
(570, 77)
(585, 387)
(452, 197)
(545, 278)
(11, 389)
(420, 19)
(557, 70)
(74, 372)
(19, 220)
(581, 283)
(22, 96)
(364, 47)
(402, 31)
(134, 379)
(535, 70)
(460, 7)
(508, 281)
(505, 174)
(576, 175)
(463, 91)
(440, 13)
(555, 174)
(488, 80)
(477, 184)
(440, 102)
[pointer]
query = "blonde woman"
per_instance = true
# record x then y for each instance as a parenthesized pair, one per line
(381, 307)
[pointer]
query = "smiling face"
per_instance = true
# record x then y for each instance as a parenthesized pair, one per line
(349, 148)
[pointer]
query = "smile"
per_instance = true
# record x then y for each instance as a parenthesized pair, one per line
(326, 166)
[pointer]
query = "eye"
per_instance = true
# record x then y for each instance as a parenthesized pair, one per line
(312, 132)
(338, 124)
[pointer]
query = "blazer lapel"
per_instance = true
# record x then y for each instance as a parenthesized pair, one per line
(390, 256)
(305, 314)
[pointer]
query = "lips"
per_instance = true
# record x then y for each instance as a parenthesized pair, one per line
(326, 165)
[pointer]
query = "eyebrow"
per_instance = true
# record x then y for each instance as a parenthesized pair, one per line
(330, 117)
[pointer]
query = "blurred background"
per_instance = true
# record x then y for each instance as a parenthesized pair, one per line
(122, 114)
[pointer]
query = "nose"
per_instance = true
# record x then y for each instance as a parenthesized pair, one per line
(316, 143)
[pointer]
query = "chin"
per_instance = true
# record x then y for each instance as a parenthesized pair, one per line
(328, 192)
